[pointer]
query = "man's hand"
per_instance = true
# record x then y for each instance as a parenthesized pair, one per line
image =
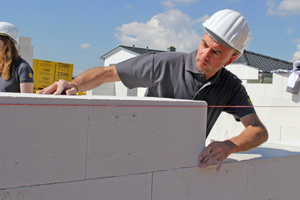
(216, 152)
(254, 134)
(60, 87)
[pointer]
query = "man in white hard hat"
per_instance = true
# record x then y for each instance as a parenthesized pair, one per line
(199, 75)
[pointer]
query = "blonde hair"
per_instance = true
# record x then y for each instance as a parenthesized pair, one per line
(8, 57)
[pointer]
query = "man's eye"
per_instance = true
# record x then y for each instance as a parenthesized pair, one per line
(204, 44)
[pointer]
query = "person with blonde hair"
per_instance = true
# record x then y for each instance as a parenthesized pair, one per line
(16, 74)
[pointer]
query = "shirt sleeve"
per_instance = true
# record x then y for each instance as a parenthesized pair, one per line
(137, 71)
(25, 73)
(240, 104)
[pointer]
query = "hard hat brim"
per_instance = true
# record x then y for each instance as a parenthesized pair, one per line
(10, 38)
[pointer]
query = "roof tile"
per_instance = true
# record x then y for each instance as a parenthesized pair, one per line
(262, 62)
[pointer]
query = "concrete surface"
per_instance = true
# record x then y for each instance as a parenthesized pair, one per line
(80, 147)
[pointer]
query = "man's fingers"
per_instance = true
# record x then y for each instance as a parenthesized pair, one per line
(209, 159)
(48, 90)
(214, 152)
(205, 152)
(56, 88)
(59, 90)
(219, 164)
(71, 91)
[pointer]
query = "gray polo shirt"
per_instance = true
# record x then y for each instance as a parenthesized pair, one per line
(174, 75)
(22, 74)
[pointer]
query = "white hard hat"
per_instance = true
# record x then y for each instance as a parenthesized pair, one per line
(10, 31)
(230, 28)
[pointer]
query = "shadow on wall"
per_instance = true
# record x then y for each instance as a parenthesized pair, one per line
(263, 153)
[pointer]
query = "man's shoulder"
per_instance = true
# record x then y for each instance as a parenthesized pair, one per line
(226, 74)
(176, 59)
(171, 55)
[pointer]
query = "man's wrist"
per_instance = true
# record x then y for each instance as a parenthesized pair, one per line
(75, 85)
(232, 146)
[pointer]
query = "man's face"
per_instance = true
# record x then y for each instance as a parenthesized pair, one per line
(212, 56)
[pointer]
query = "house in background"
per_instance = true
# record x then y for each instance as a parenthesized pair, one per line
(117, 55)
(261, 64)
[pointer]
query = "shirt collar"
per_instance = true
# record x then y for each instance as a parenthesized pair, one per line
(190, 64)
(216, 78)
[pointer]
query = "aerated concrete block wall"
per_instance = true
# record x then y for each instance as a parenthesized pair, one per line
(80, 147)
(276, 108)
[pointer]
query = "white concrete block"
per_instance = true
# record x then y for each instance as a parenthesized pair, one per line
(120, 89)
(106, 89)
(41, 144)
(295, 143)
(144, 138)
(24, 50)
(266, 151)
(132, 92)
(57, 147)
(255, 89)
(285, 113)
(141, 92)
(30, 51)
(274, 133)
(25, 41)
(274, 179)
(290, 133)
(217, 134)
(129, 187)
(195, 183)
(268, 90)
(277, 84)
(243, 72)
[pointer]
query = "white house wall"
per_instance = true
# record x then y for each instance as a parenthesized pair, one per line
(118, 56)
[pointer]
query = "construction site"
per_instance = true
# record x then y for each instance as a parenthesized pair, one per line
(113, 143)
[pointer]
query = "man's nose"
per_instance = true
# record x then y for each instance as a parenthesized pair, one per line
(206, 54)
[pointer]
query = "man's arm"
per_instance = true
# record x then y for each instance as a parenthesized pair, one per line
(86, 81)
(254, 134)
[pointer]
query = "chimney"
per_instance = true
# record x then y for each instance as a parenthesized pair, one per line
(171, 49)
(133, 46)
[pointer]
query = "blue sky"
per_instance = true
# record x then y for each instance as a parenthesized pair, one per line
(80, 32)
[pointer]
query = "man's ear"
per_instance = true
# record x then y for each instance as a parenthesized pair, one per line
(231, 59)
